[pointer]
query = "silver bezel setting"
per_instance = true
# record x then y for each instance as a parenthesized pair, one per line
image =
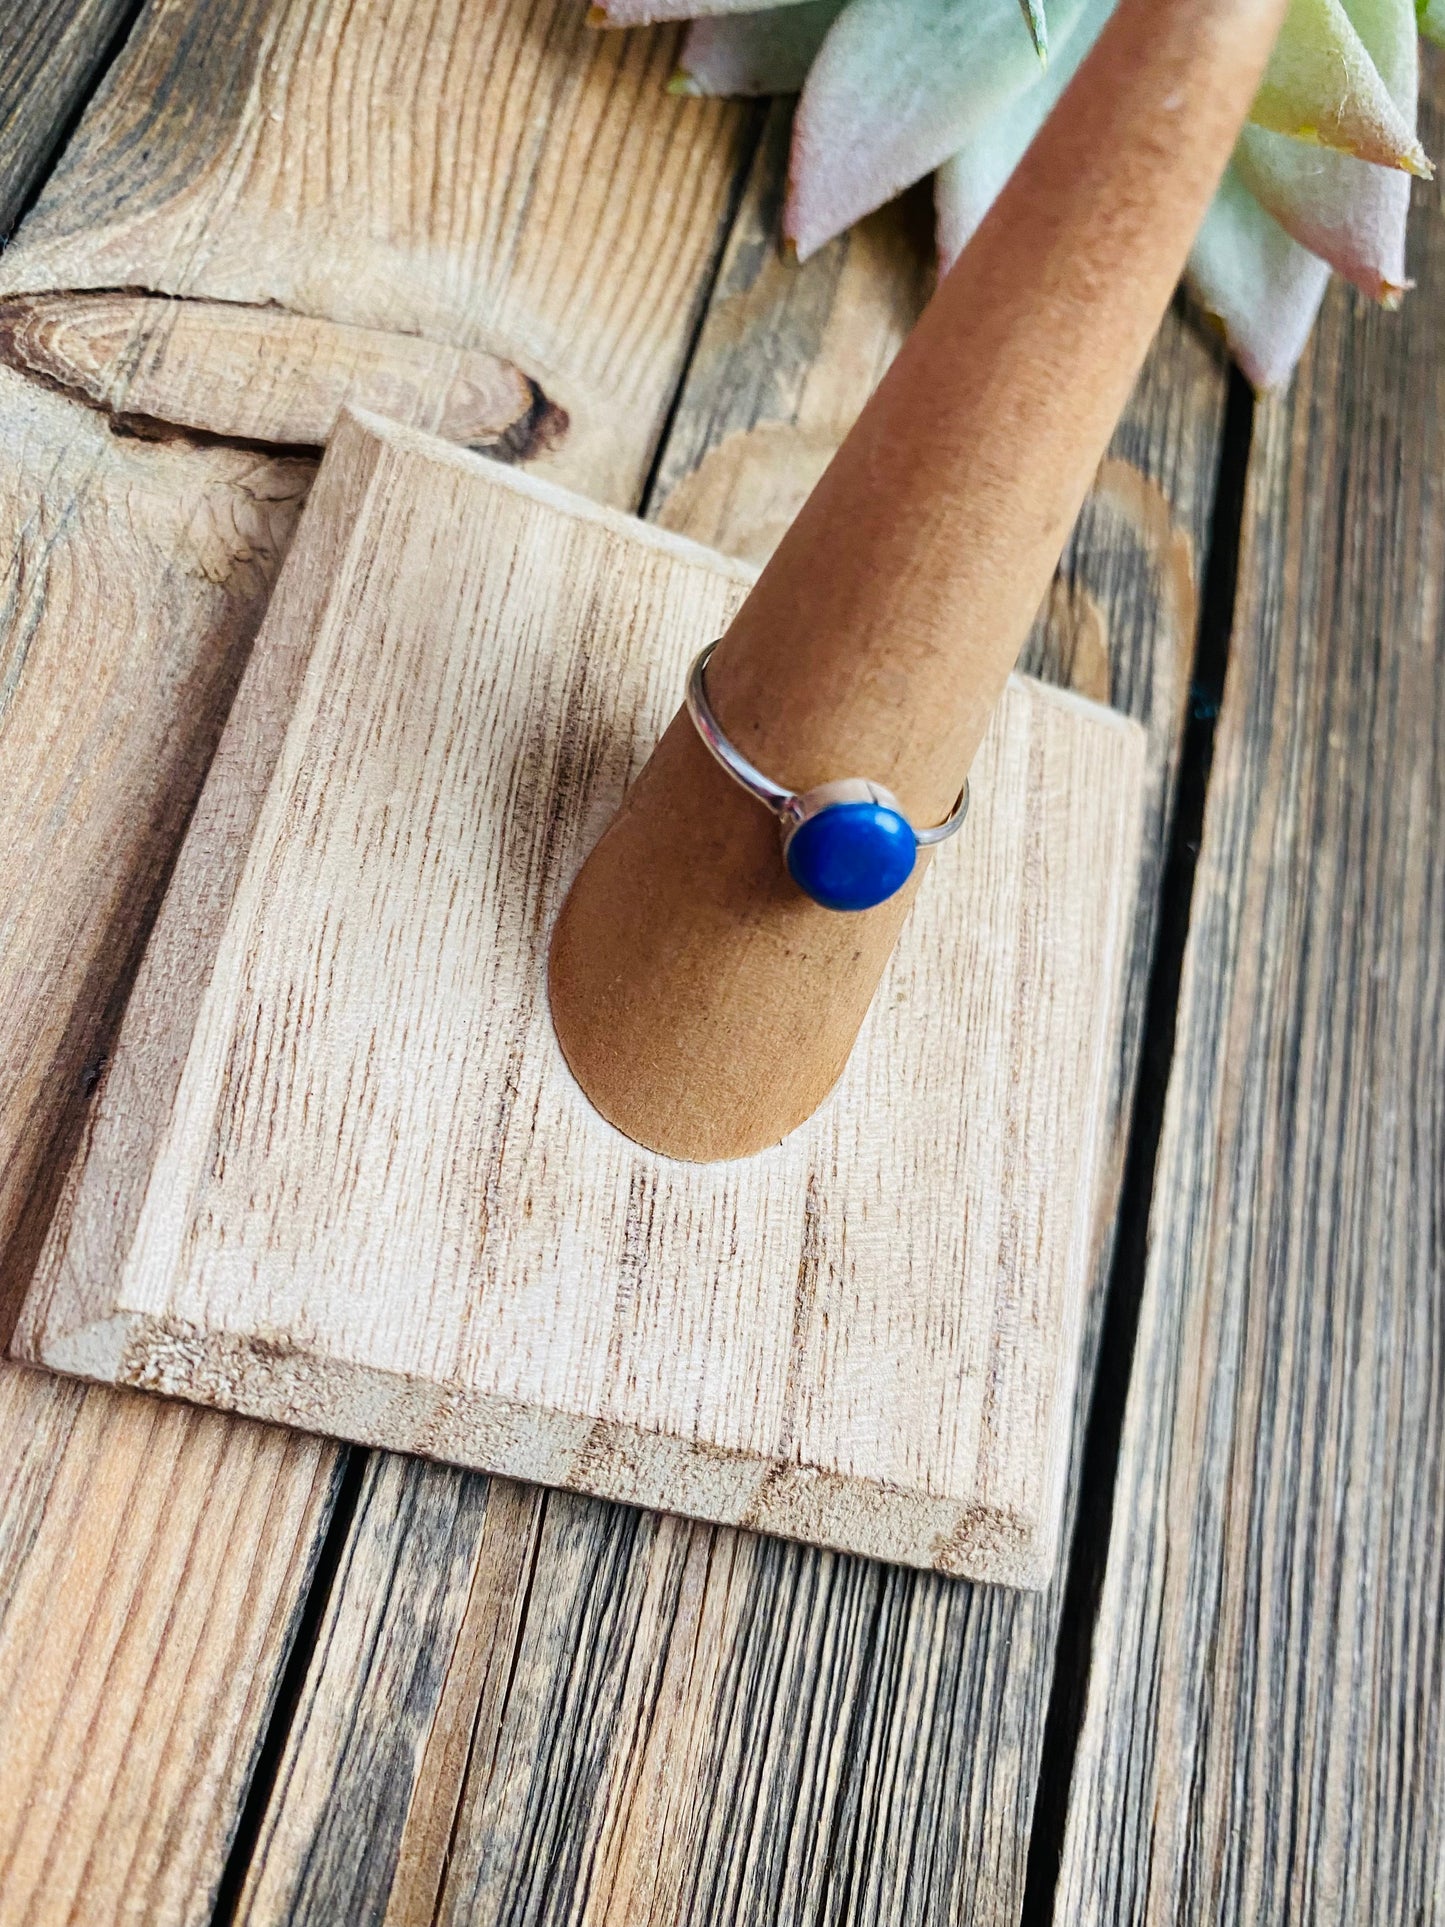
(791, 807)
(850, 789)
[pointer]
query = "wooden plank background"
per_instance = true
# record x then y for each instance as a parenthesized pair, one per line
(375, 174)
(247, 1677)
(50, 54)
(154, 1561)
(1262, 1738)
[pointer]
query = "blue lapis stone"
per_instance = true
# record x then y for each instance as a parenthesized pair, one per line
(851, 856)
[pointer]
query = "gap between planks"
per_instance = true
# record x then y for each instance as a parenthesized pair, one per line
(1261, 1733)
(1119, 1325)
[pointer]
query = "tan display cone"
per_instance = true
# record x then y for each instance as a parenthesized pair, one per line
(704, 1004)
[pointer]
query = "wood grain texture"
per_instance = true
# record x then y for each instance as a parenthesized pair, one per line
(436, 1636)
(148, 1543)
(153, 1565)
(1262, 1732)
(260, 375)
(152, 1561)
(50, 51)
(390, 1214)
(133, 582)
(784, 360)
(701, 1724)
(563, 130)
(490, 176)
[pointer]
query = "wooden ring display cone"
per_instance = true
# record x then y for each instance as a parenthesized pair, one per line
(703, 1003)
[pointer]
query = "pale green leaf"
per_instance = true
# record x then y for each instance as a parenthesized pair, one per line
(754, 53)
(1038, 26)
(1350, 211)
(1432, 20)
(897, 87)
(1264, 287)
(970, 181)
(1322, 86)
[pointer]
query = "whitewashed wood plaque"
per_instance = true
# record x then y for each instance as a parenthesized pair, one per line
(337, 1175)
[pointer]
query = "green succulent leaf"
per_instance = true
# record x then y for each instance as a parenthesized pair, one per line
(1349, 211)
(970, 181)
(1264, 287)
(1322, 86)
(754, 53)
(1037, 22)
(894, 89)
(897, 87)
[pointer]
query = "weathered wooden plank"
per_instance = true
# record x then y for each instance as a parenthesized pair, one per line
(702, 1724)
(165, 1553)
(50, 52)
(260, 375)
(137, 1549)
(306, 1239)
(448, 1607)
(784, 361)
(127, 1532)
(497, 179)
(1262, 1733)
(135, 575)
(158, 557)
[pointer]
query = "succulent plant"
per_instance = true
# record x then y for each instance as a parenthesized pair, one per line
(892, 90)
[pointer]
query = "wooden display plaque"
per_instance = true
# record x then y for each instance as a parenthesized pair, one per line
(336, 1173)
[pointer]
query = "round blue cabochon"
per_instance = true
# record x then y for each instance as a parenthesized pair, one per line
(852, 856)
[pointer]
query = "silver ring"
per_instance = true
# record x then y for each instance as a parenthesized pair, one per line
(863, 854)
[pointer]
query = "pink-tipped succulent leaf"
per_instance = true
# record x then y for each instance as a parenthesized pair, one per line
(1322, 85)
(897, 87)
(1263, 287)
(754, 53)
(1350, 212)
(646, 13)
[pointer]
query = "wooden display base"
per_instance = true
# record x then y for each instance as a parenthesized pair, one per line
(336, 1173)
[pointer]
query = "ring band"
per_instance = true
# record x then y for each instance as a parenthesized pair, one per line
(848, 844)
